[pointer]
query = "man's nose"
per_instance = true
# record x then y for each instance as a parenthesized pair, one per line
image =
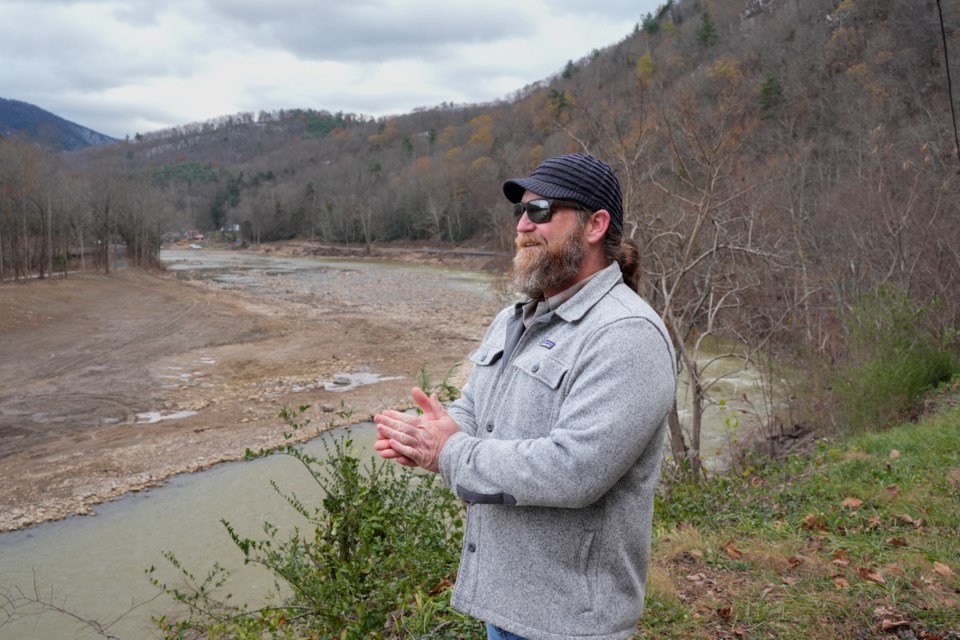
(524, 225)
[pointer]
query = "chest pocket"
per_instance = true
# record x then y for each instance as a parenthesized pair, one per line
(545, 368)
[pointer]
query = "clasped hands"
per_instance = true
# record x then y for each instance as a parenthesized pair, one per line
(415, 441)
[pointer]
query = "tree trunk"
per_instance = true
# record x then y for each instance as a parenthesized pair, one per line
(677, 446)
(106, 242)
(49, 235)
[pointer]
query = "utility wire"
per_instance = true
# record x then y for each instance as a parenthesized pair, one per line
(946, 59)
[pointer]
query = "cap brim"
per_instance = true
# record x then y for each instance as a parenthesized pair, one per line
(514, 190)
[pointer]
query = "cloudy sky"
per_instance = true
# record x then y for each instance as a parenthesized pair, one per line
(127, 66)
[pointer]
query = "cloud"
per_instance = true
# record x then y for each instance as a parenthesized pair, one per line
(127, 66)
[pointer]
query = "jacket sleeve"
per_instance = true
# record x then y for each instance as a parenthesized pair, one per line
(462, 410)
(618, 393)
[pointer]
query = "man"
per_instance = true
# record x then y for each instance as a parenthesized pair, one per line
(555, 443)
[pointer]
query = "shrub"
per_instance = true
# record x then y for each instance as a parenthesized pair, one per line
(374, 560)
(895, 351)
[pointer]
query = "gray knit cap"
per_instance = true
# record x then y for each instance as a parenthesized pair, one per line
(576, 176)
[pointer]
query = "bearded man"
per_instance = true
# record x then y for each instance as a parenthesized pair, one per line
(555, 443)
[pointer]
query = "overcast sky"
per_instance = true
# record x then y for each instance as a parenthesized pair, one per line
(122, 67)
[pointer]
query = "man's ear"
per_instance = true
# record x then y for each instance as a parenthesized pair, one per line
(597, 225)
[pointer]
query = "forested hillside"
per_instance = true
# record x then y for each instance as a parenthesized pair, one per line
(790, 172)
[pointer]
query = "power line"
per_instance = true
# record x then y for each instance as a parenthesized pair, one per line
(946, 59)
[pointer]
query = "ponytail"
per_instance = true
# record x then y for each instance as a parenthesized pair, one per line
(626, 252)
(628, 255)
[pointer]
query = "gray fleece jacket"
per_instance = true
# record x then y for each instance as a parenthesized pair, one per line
(558, 456)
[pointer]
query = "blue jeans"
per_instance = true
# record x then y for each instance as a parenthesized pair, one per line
(496, 633)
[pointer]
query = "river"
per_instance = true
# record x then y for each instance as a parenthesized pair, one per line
(94, 566)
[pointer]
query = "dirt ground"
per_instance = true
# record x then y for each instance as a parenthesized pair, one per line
(84, 361)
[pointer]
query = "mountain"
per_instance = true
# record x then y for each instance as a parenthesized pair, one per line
(47, 129)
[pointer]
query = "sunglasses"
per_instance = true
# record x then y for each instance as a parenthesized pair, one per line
(542, 209)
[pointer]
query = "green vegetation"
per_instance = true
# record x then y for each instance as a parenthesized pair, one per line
(650, 24)
(857, 539)
(771, 96)
(896, 351)
(375, 559)
(707, 33)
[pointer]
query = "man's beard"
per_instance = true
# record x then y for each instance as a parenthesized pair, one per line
(549, 266)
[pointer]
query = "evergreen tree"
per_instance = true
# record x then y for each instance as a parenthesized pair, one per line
(650, 24)
(771, 95)
(707, 33)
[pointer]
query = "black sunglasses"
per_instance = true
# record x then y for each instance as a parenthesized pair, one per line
(542, 209)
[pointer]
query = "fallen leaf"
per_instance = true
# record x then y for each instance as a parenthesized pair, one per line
(840, 554)
(852, 503)
(696, 553)
(789, 580)
(883, 612)
(795, 561)
(841, 583)
(894, 454)
(874, 522)
(696, 577)
(725, 612)
(871, 575)
(942, 569)
(840, 562)
(732, 551)
(443, 585)
(907, 519)
(896, 542)
(886, 625)
(892, 490)
(813, 522)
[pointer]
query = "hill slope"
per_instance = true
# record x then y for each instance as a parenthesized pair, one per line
(50, 130)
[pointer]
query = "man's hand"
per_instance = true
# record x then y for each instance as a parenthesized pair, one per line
(415, 440)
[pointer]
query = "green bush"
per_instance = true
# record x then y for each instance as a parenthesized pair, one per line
(895, 351)
(374, 560)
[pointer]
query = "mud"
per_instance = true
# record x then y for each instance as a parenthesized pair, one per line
(111, 384)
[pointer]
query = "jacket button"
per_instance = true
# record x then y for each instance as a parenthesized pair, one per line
(489, 428)
(535, 368)
(471, 547)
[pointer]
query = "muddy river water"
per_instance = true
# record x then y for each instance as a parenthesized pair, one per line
(94, 566)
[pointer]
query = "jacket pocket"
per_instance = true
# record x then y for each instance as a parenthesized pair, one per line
(584, 571)
(545, 368)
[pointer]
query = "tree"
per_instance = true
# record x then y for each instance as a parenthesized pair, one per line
(771, 95)
(707, 33)
(650, 25)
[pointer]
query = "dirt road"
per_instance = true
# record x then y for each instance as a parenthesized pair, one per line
(89, 365)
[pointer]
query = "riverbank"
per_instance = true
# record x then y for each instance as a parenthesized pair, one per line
(487, 259)
(111, 384)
